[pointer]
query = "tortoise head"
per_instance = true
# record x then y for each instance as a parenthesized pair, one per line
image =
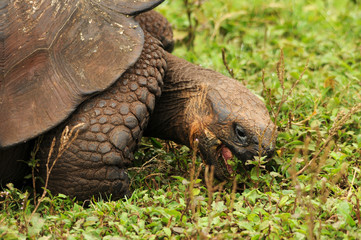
(230, 124)
(221, 117)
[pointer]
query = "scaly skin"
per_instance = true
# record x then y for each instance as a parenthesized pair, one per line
(220, 113)
(158, 26)
(96, 162)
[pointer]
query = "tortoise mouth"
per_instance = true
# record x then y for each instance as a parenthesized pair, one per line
(225, 156)
(226, 162)
(230, 162)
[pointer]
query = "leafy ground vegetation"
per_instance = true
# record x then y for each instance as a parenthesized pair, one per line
(304, 59)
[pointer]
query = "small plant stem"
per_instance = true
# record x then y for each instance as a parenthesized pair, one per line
(281, 79)
(209, 176)
(34, 185)
(169, 222)
(25, 204)
(34, 162)
(191, 28)
(233, 193)
(47, 178)
(352, 182)
(192, 176)
(230, 71)
(341, 119)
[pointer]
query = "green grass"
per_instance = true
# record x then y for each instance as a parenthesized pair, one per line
(319, 127)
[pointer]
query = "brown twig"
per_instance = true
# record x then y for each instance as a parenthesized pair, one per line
(191, 28)
(230, 71)
(267, 92)
(209, 177)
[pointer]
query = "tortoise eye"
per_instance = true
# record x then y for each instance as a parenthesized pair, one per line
(241, 135)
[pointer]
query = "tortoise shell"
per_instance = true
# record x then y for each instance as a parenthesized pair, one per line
(55, 54)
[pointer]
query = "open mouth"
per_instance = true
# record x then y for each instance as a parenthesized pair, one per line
(227, 156)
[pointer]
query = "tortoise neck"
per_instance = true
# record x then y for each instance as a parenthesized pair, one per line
(171, 118)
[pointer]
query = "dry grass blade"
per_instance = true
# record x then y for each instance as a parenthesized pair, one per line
(193, 177)
(223, 18)
(340, 120)
(209, 177)
(233, 194)
(267, 92)
(356, 171)
(66, 139)
(281, 69)
(281, 74)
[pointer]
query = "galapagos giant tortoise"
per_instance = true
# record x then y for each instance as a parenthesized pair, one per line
(71, 62)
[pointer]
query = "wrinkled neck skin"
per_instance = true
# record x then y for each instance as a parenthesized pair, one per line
(169, 120)
(224, 116)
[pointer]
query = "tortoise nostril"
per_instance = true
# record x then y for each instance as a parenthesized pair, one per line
(268, 150)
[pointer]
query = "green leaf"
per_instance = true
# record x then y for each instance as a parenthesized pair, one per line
(245, 225)
(167, 231)
(37, 224)
(283, 201)
(196, 191)
(156, 143)
(344, 209)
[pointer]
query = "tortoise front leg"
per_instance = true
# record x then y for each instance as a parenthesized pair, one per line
(96, 162)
